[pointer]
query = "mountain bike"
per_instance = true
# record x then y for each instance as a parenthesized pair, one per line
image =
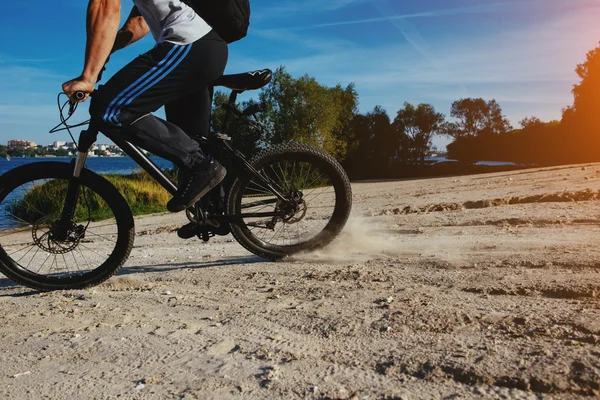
(65, 227)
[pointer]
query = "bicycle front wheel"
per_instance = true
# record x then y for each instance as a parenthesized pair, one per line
(37, 251)
(319, 206)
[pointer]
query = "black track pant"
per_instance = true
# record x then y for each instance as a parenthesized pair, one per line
(175, 76)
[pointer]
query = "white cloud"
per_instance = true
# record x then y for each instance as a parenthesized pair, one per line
(486, 8)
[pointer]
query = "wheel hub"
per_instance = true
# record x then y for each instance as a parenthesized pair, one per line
(298, 214)
(57, 240)
(294, 210)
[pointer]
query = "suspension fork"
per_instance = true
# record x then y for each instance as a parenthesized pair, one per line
(86, 139)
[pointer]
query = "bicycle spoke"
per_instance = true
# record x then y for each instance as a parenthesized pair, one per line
(102, 226)
(279, 179)
(92, 250)
(28, 251)
(259, 203)
(75, 259)
(304, 178)
(28, 212)
(294, 175)
(20, 219)
(287, 186)
(314, 197)
(21, 249)
(314, 181)
(101, 236)
(82, 256)
(34, 254)
(44, 263)
(260, 191)
(260, 209)
(39, 212)
(282, 225)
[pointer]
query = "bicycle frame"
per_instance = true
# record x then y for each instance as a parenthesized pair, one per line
(240, 165)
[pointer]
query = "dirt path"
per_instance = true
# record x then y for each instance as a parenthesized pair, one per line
(470, 287)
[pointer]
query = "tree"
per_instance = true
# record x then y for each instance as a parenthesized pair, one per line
(475, 116)
(218, 112)
(529, 122)
(245, 137)
(417, 126)
(586, 100)
(341, 135)
(383, 142)
(305, 111)
(582, 119)
(373, 146)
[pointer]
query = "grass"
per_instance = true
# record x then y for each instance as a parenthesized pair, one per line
(141, 192)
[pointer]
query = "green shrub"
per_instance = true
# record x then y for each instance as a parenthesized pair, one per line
(141, 192)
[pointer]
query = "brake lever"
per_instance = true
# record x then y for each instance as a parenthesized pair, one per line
(78, 96)
(72, 107)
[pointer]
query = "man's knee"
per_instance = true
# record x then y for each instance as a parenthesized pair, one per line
(102, 110)
(99, 106)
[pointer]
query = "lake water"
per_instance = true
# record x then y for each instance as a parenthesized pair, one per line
(101, 165)
(440, 159)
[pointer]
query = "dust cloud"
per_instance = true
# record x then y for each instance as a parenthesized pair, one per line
(361, 240)
(364, 239)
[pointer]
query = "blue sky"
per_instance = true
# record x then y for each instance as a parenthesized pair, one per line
(521, 52)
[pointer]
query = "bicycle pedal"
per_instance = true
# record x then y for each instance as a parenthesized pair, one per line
(205, 236)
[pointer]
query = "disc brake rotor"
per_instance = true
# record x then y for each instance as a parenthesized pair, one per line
(47, 241)
(298, 215)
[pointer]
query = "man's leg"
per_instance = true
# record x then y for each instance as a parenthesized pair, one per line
(123, 106)
(167, 72)
(192, 112)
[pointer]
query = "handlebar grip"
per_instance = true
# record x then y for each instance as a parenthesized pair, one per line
(79, 95)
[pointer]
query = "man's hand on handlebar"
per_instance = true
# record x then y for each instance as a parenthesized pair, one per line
(75, 87)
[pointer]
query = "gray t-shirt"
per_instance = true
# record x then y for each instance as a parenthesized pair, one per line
(172, 21)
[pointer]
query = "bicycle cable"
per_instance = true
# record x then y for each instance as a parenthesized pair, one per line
(63, 125)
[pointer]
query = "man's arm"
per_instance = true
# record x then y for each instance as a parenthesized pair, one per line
(133, 30)
(103, 19)
(102, 24)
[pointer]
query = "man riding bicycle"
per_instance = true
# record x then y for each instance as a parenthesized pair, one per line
(176, 73)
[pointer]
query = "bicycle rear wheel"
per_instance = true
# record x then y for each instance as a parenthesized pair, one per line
(36, 252)
(321, 206)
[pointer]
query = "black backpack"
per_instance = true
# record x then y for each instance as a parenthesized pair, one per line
(229, 18)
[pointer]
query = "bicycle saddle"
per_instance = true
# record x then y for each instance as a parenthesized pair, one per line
(246, 81)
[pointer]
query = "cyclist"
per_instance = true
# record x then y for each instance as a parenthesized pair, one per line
(175, 73)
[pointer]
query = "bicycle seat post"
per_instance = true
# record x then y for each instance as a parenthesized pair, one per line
(87, 138)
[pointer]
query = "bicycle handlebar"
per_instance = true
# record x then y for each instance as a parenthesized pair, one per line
(79, 95)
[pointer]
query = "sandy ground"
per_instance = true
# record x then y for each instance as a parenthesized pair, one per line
(485, 286)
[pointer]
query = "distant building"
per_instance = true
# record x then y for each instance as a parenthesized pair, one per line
(20, 144)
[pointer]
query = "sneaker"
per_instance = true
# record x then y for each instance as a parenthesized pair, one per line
(195, 184)
(188, 231)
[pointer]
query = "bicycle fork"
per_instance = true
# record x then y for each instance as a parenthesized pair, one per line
(86, 139)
